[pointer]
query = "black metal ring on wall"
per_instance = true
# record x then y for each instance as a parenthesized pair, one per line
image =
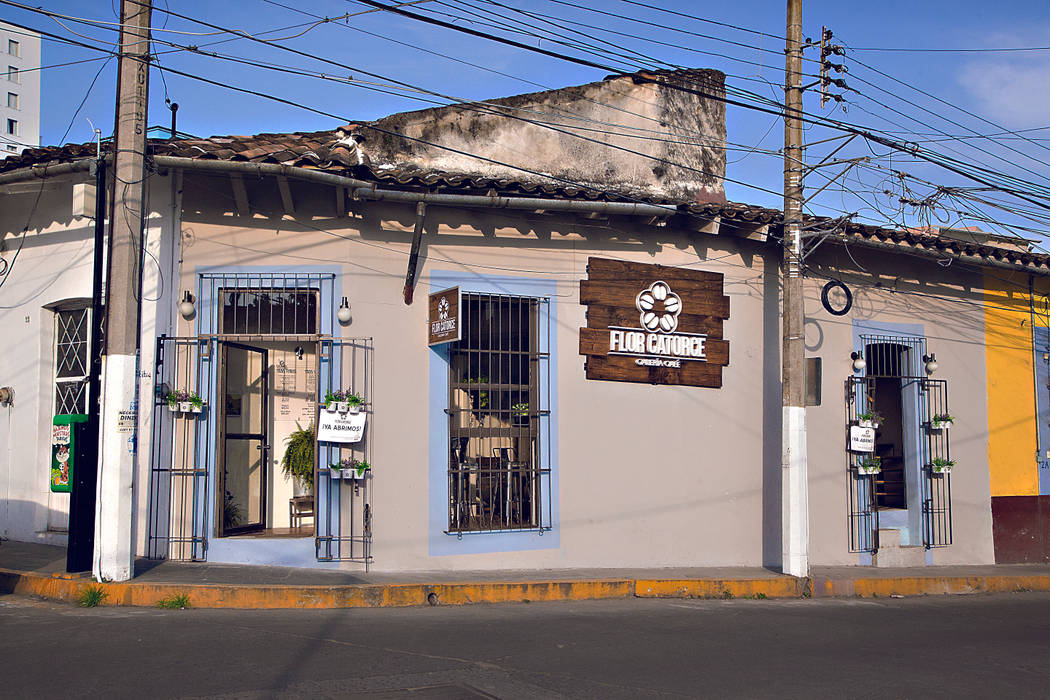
(827, 302)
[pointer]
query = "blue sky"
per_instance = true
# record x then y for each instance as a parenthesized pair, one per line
(1010, 89)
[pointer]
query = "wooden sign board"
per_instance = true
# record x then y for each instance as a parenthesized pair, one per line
(443, 317)
(653, 324)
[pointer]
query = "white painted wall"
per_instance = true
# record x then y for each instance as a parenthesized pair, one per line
(54, 265)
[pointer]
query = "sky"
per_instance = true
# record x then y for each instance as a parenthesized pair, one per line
(980, 92)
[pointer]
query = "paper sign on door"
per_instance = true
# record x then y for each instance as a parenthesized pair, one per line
(340, 427)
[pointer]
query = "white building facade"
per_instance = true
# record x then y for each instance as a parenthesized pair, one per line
(20, 101)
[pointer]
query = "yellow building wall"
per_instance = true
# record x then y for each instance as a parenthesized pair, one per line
(1012, 445)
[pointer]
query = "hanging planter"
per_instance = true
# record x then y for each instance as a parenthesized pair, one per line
(350, 468)
(342, 401)
(942, 466)
(183, 401)
(869, 419)
(942, 421)
(869, 466)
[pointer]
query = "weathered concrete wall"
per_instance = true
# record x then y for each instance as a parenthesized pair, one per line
(567, 134)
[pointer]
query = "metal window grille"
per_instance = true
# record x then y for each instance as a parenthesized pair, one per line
(254, 304)
(863, 511)
(179, 453)
(344, 505)
(936, 487)
(499, 475)
(72, 334)
(894, 362)
(896, 356)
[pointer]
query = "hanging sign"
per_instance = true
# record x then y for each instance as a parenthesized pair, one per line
(443, 321)
(653, 324)
(333, 426)
(861, 439)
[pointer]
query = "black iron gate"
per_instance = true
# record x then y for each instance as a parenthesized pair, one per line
(179, 455)
(863, 512)
(936, 467)
(344, 505)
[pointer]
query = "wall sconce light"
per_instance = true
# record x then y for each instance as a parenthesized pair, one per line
(343, 314)
(931, 362)
(7, 396)
(858, 361)
(186, 307)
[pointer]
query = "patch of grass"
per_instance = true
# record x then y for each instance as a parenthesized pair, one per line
(727, 595)
(91, 596)
(1022, 589)
(176, 601)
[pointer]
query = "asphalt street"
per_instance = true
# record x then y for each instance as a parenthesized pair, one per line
(958, 646)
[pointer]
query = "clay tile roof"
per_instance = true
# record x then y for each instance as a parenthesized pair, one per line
(321, 150)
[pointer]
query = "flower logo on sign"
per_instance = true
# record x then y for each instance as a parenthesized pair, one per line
(659, 307)
(443, 309)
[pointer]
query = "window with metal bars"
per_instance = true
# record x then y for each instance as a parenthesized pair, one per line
(269, 311)
(72, 334)
(495, 470)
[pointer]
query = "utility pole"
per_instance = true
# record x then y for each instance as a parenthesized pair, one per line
(794, 485)
(114, 548)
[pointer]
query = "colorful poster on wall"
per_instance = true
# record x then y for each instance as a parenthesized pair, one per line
(333, 426)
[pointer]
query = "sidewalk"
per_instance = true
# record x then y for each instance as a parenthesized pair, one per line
(34, 569)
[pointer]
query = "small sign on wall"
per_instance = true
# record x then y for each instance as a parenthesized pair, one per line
(443, 322)
(333, 426)
(861, 439)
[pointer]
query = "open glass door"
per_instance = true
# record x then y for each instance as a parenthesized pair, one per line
(244, 447)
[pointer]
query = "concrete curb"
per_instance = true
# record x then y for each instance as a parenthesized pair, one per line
(68, 589)
(875, 587)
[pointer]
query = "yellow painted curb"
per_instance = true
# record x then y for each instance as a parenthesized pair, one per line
(780, 587)
(305, 597)
(58, 587)
(928, 585)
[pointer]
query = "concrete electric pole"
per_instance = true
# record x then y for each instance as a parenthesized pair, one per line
(794, 486)
(114, 548)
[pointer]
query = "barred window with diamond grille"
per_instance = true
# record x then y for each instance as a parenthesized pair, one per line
(495, 470)
(72, 331)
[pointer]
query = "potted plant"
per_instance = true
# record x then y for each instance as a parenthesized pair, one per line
(342, 401)
(298, 460)
(349, 468)
(941, 421)
(520, 413)
(869, 419)
(940, 465)
(359, 468)
(182, 401)
(869, 465)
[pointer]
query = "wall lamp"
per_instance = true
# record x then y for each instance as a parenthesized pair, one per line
(186, 307)
(931, 362)
(343, 314)
(858, 361)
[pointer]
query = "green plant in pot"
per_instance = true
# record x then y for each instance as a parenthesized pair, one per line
(869, 419)
(941, 465)
(869, 465)
(942, 420)
(298, 460)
